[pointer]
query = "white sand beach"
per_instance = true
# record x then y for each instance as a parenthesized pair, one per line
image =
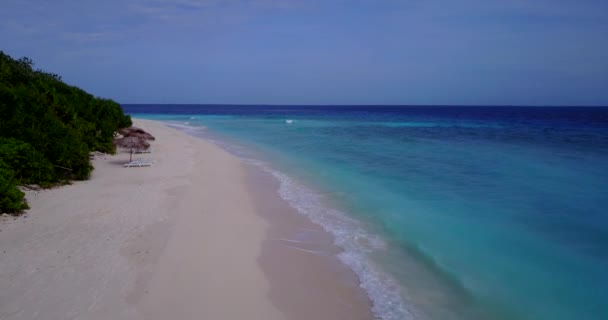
(183, 239)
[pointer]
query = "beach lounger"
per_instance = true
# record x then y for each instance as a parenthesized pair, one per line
(139, 163)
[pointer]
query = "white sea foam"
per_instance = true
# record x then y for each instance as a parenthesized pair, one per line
(184, 126)
(384, 292)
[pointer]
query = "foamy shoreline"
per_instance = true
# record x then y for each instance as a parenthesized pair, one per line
(188, 238)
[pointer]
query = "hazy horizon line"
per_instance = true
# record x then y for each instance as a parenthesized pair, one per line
(367, 105)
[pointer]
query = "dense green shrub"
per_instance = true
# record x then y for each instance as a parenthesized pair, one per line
(48, 127)
(28, 165)
(11, 198)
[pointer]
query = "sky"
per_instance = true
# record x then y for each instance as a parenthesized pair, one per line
(414, 52)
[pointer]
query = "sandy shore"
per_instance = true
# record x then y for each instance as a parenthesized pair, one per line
(193, 237)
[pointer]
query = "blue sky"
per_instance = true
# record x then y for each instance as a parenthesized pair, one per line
(511, 52)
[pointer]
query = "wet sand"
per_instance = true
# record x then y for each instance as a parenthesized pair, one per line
(307, 281)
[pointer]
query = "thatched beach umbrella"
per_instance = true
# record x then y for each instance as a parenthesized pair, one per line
(145, 136)
(136, 132)
(132, 143)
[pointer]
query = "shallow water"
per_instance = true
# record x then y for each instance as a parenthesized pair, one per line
(443, 212)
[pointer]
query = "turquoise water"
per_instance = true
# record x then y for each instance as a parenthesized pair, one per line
(455, 215)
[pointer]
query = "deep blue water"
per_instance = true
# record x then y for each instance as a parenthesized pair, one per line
(479, 212)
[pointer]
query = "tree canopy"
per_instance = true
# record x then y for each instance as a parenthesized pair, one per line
(48, 129)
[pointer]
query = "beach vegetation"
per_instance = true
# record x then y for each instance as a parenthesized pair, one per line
(49, 128)
(12, 200)
(28, 166)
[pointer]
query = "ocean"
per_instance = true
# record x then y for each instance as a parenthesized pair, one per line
(442, 212)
